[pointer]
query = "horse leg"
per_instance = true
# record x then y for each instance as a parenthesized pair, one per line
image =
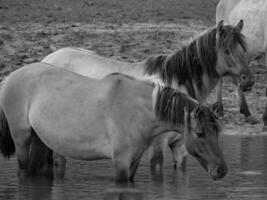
(59, 160)
(41, 158)
(121, 169)
(133, 168)
(121, 161)
(157, 154)
(22, 141)
(244, 107)
(218, 106)
(179, 154)
(59, 165)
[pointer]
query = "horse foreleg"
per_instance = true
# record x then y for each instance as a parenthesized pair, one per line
(244, 107)
(179, 154)
(121, 161)
(22, 152)
(218, 106)
(157, 154)
(59, 165)
(121, 170)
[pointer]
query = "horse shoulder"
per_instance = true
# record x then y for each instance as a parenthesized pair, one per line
(129, 115)
(129, 96)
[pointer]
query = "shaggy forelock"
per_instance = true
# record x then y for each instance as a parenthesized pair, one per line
(230, 38)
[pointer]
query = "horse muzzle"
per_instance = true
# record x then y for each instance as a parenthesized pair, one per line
(246, 83)
(217, 172)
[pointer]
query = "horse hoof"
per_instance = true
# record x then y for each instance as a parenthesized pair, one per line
(264, 128)
(252, 120)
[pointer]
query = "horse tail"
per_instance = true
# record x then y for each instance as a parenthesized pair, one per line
(7, 146)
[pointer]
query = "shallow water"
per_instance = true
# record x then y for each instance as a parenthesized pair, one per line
(246, 179)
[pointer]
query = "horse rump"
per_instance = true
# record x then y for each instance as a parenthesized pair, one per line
(7, 146)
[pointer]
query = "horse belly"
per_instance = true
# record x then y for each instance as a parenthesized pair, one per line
(71, 132)
(76, 145)
(253, 15)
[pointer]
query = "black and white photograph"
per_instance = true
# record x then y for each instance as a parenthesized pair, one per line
(133, 99)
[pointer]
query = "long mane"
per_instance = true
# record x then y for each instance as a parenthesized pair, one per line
(169, 107)
(187, 65)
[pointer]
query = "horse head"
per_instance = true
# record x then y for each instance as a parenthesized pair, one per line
(202, 128)
(232, 55)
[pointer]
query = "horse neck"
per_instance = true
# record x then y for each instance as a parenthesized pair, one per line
(169, 108)
(191, 69)
(164, 129)
(132, 69)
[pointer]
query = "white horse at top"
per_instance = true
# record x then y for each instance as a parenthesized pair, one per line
(254, 15)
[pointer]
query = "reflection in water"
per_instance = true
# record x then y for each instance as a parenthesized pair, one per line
(34, 188)
(246, 178)
(124, 194)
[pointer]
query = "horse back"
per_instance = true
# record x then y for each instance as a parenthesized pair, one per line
(86, 63)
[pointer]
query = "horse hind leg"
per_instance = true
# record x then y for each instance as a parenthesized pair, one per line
(22, 152)
(40, 158)
(7, 146)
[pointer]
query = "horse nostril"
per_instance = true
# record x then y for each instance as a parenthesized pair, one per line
(221, 171)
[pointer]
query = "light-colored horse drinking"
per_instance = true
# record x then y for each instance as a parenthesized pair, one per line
(195, 69)
(44, 108)
(254, 14)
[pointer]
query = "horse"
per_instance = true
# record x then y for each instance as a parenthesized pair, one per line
(254, 14)
(194, 69)
(44, 108)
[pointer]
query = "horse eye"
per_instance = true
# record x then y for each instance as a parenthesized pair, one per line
(227, 52)
(201, 134)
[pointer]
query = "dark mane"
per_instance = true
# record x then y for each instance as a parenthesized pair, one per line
(187, 65)
(169, 107)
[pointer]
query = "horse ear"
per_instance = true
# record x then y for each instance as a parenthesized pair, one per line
(220, 27)
(240, 25)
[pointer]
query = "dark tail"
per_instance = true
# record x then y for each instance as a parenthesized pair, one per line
(7, 146)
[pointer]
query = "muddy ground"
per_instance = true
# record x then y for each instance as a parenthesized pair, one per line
(128, 30)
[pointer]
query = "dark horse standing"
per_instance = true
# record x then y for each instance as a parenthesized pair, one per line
(195, 69)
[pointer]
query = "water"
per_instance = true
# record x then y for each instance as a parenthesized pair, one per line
(246, 179)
